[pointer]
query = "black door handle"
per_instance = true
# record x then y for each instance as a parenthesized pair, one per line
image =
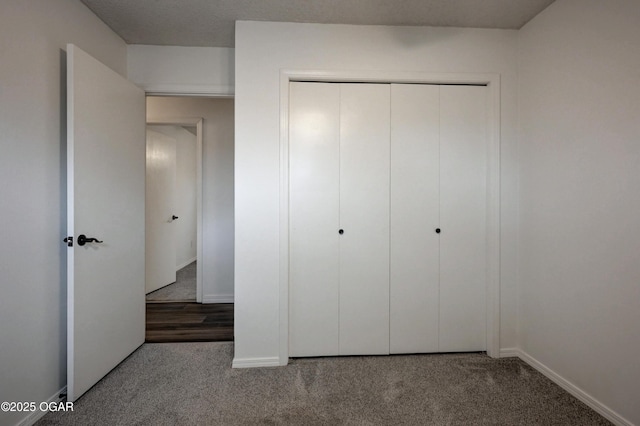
(341, 231)
(174, 217)
(83, 239)
(437, 230)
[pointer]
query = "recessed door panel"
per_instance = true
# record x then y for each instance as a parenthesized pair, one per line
(314, 218)
(364, 218)
(414, 295)
(463, 204)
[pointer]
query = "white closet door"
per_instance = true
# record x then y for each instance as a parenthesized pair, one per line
(463, 193)
(364, 217)
(314, 153)
(415, 135)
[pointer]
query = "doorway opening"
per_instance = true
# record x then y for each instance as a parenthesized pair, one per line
(173, 313)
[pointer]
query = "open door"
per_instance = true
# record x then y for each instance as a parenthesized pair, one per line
(105, 220)
(161, 203)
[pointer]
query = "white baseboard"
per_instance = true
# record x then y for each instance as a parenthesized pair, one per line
(34, 416)
(574, 390)
(188, 262)
(255, 362)
(509, 352)
(217, 298)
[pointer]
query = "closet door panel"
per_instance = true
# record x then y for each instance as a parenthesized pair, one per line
(463, 193)
(314, 217)
(364, 217)
(414, 297)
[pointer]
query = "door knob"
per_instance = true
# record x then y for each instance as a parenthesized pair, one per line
(437, 230)
(341, 231)
(83, 239)
(174, 217)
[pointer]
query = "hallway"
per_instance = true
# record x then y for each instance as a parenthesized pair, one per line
(183, 290)
(189, 322)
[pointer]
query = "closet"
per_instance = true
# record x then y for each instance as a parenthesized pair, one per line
(387, 218)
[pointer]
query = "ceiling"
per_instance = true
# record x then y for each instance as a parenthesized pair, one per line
(211, 22)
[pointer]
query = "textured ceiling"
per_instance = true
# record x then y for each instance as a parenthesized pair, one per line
(211, 22)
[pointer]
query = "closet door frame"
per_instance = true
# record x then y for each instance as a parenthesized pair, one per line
(492, 82)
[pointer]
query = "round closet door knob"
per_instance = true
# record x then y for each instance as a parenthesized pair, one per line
(437, 230)
(341, 231)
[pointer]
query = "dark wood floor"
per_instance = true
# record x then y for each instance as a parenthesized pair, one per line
(189, 322)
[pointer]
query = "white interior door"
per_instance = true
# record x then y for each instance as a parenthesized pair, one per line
(364, 218)
(463, 206)
(106, 195)
(415, 216)
(314, 219)
(160, 211)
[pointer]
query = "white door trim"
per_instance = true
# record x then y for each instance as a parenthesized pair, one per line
(190, 90)
(197, 122)
(492, 81)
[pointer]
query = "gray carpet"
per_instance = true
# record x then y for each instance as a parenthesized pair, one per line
(193, 384)
(184, 289)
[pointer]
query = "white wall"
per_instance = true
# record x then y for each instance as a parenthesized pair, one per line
(262, 50)
(579, 68)
(217, 185)
(186, 70)
(185, 208)
(33, 38)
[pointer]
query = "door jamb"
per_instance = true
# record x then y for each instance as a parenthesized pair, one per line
(197, 122)
(492, 81)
